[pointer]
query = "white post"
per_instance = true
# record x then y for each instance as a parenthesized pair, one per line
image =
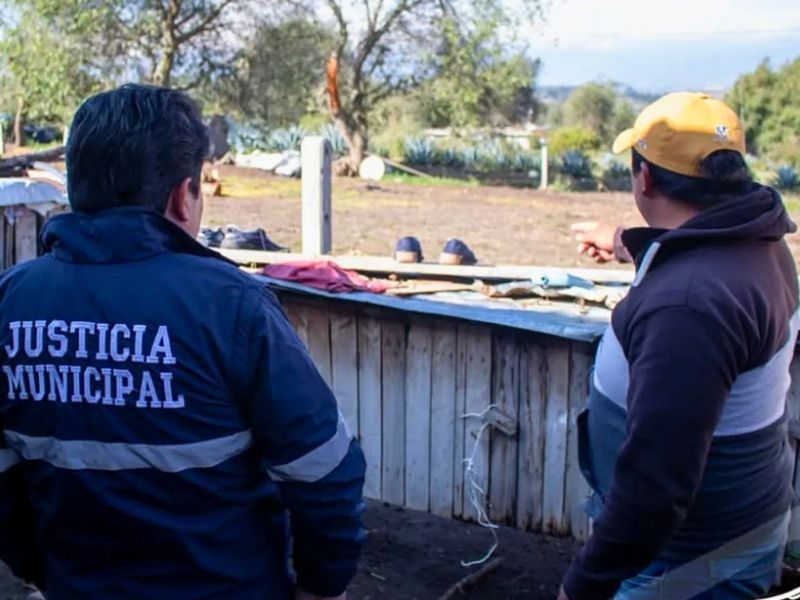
(66, 135)
(543, 182)
(2, 140)
(315, 156)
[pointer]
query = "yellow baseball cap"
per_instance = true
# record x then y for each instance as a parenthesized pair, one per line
(678, 131)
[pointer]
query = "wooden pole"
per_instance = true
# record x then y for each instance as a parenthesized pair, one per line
(543, 183)
(2, 140)
(316, 154)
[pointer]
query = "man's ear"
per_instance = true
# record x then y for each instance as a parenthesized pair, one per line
(178, 204)
(645, 179)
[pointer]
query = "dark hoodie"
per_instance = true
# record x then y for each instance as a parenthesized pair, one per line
(684, 441)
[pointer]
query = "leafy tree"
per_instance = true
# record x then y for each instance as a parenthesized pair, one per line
(592, 106)
(277, 78)
(574, 138)
(766, 101)
(624, 116)
(477, 81)
(153, 40)
(43, 76)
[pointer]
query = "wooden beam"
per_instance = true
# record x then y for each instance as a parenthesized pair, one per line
(387, 265)
(15, 164)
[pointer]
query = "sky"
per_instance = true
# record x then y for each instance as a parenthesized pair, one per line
(663, 45)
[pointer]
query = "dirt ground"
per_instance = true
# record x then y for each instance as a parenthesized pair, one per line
(415, 556)
(503, 225)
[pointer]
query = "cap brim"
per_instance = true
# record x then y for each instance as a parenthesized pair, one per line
(625, 141)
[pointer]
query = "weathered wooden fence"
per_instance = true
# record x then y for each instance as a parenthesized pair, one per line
(19, 233)
(406, 382)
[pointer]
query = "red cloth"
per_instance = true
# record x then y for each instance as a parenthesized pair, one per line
(324, 275)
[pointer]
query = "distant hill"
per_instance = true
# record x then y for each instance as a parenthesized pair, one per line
(559, 93)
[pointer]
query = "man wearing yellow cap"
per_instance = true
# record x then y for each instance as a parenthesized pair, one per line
(684, 440)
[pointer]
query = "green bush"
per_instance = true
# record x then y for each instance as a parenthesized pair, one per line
(574, 138)
(314, 121)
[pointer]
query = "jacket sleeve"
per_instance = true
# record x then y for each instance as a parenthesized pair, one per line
(682, 365)
(308, 451)
(18, 547)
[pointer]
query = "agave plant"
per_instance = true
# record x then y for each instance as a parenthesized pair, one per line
(282, 140)
(787, 178)
(448, 157)
(492, 157)
(575, 163)
(418, 151)
(616, 176)
(248, 137)
(335, 137)
(575, 172)
(525, 162)
(469, 157)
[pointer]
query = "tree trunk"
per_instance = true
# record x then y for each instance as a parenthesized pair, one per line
(351, 121)
(163, 71)
(355, 139)
(162, 74)
(18, 139)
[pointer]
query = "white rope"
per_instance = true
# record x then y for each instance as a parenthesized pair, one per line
(477, 494)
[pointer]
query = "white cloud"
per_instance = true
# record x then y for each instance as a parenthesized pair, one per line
(593, 23)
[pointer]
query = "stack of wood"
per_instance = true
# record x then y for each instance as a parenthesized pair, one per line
(16, 166)
(212, 183)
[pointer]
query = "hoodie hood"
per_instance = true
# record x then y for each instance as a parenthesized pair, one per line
(758, 214)
(117, 235)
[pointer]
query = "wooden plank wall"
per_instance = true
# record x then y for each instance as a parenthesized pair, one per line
(19, 235)
(406, 384)
(20, 228)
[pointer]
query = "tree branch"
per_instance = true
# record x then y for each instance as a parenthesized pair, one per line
(204, 23)
(336, 9)
(370, 16)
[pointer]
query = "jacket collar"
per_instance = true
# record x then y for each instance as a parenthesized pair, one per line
(758, 214)
(117, 235)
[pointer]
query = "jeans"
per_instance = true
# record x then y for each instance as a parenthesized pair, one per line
(746, 575)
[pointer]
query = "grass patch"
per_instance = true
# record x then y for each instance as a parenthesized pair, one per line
(792, 202)
(409, 179)
(259, 187)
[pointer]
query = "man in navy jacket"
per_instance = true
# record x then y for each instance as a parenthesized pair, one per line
(159, 417)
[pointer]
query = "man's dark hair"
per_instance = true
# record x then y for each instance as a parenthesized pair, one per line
(132, 146)
(725, 174)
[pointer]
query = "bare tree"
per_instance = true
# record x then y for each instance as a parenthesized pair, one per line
(379, 47)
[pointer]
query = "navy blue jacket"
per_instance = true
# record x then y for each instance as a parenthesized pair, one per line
(685, 438)
(160, 418)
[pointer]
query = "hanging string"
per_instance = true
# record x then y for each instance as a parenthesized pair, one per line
(477, 494)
